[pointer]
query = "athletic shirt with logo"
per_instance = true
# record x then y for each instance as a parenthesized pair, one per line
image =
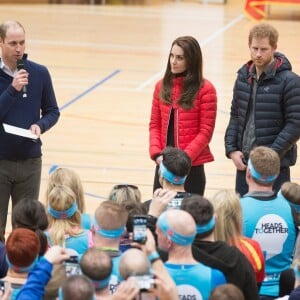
(195, 282)
(115, 277)
(271, 223)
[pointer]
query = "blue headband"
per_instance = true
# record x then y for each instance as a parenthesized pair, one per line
(174, 236)
(21, 269)
(61, 297)
(63, 214)
(206, 227)
(101, 284)
(53, 169)
(258, 176)
(109, 233)
(168, 175)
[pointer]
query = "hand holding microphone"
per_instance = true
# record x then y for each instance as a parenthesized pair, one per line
(22, 77)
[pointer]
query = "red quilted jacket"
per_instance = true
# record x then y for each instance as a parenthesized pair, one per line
(193, 128)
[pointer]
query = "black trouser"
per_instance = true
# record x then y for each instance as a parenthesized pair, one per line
(194, 183)
(241, 185)
(19, 180)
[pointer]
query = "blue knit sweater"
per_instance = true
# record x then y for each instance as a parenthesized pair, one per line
(38, 277)
(40, 107)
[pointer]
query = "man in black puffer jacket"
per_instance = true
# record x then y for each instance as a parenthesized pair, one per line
(265, 110)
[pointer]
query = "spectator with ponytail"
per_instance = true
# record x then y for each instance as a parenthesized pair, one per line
(68, 177)
(65, 221)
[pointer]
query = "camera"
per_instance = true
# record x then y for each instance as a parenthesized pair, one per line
(140, 228)
(145, 282)
(72, 266)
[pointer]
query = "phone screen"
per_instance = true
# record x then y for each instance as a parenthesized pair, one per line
(139, 229)
(175, 203)
(72, 266)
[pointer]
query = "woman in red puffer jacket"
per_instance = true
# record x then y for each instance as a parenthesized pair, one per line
(183, 113)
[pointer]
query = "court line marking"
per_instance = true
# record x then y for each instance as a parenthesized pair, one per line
(78, 97)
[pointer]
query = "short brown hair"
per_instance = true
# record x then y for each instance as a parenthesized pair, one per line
(264, 30)
(77, 287)
(96, 264)
(266, 162)
(111, 215)
(226, 291)
(291, 191)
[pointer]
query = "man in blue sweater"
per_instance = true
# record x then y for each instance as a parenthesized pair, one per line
(27, 101)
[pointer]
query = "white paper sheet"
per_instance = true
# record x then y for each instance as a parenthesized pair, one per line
(19, 131)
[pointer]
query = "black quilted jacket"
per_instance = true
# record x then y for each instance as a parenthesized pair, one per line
(277, 110)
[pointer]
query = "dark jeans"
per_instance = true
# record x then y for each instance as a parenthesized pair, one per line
(241, 186)
(19, 179)
(194, 183)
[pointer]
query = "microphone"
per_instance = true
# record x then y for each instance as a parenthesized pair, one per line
(20, 66)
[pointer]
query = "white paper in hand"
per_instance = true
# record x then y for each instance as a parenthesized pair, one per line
(19, 131)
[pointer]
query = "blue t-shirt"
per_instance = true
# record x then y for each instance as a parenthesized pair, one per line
(195, 281)
(271, 223)
(115, 277)
(86, 221)
(79, 242)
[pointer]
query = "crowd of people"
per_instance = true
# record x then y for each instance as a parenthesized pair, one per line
(241, 244)
(200, 249)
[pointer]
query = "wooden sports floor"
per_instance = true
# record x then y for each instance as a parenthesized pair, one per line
(105, 60)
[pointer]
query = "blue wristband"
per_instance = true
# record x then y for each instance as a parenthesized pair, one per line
(153, 256)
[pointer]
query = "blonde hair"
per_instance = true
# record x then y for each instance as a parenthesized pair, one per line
(62, 198)
(125, 192)
(229, 216)
(67, 177)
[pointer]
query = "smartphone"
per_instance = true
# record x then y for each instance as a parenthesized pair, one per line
(145, 282)
(125, 242)
(140, 229)
(176, 201)
(72, 266)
